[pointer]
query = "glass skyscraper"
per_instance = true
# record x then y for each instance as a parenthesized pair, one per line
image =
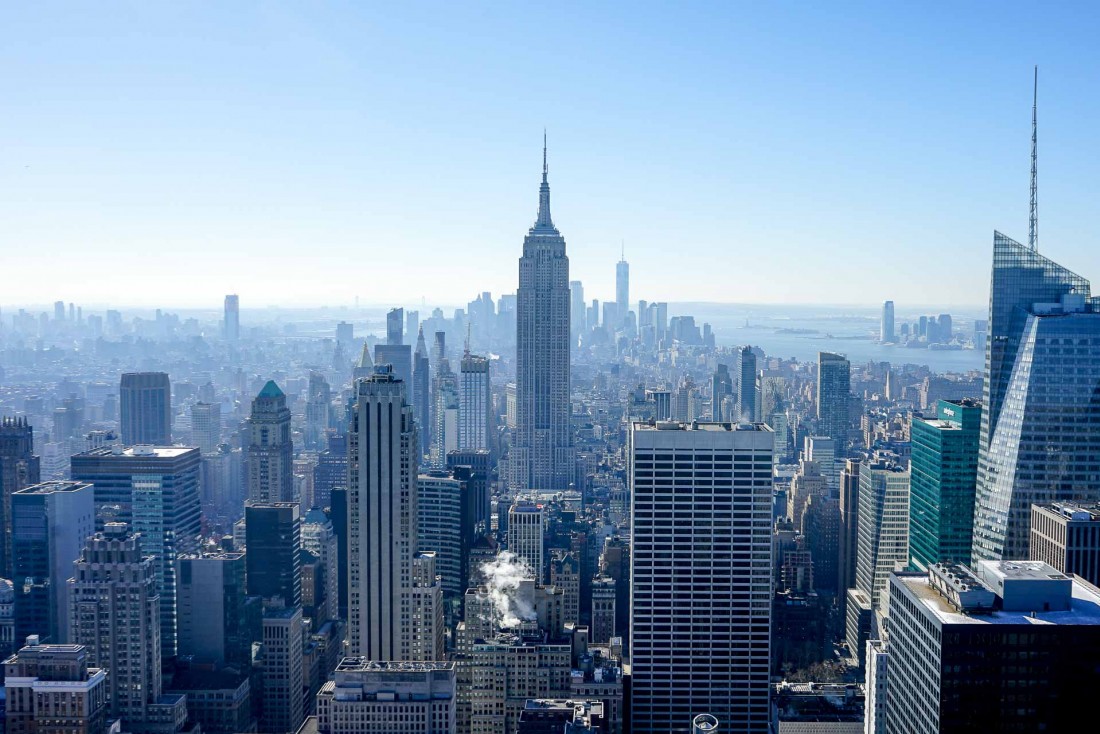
(1040, 430)
(834, 378)
(944, 470)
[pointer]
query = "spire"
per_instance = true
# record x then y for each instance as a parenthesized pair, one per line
(1033, 232)
(421, 348)
(544, 220)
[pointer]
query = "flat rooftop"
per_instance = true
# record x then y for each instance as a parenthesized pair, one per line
(1084, 607)
(141, 452)
(359, 664)
(711, 426)
(54, 486)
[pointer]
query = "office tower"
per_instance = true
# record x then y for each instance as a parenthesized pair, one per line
(53, 689)
(721, 388)
(565, 574)
(821, 529)
(115, 612)
(823, 452)
(833, 389)
(398, 356)
(727, 489)
(622, 288)
(345, 333)
(50, 522)
(604, 595)
(439, 526)
(19, 468)
(331, 470)
(270, 448)
(318, 407)
(421, 397)
(849, 529)
(877, 667)
(273, 538)
(146, 402)
(368, 697)
(394, 324)
(213, 623)
(1010, 647)
(339, 515)
(944, 468)
(365, 366)
(542, 454)
(412, 323)
(883, 540)
(319, 538)
(382, 517)
(577, 311)
(475, 403)
(7, 618)
(1040, 433)
(446, 414)
(156, 491)
(424, 629)
(1067, 536)
(526, 534)
(886, 327)
(206, 426)
(746, 386)
(232, 318)
(283, 707)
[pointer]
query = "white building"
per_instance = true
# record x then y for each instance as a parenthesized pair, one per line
(526, 525)
(475, 402)
(369, 697)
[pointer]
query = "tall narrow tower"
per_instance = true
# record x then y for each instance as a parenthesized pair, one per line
(622, 287)
(542, 456)
(270, 448)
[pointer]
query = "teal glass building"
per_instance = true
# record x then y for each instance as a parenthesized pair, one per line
(943, 476)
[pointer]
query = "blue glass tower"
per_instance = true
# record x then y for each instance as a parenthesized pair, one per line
(1040, 430)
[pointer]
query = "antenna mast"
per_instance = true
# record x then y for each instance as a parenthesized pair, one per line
(1033, 233)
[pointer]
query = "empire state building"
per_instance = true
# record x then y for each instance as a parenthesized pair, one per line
(542, 454)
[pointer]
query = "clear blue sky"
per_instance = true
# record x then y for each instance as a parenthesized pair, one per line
(306, 153)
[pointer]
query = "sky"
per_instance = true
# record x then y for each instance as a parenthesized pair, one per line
(313, 153)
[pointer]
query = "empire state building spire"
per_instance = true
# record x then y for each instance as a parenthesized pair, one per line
(544, 222)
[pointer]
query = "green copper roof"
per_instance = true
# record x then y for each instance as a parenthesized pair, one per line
(271, 390)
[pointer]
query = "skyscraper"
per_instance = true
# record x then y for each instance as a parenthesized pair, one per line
(577, 310)
(212, 616)
(526, 528)
(395, 325)
(115, 612)
(475, 402)
(1040, 431)
(721, 393)
(886, 328)
(206, 426)
(270, 448)
(382, 518)
(883, 541)
(944, 467)
(712, 573)
(273, 537)
(156, 491)
(232, 319)
(421, 397)
(445, 417)
(145, 399)
(834, 375)
(50, 521)
(542, 454)
(746, 386)
(52, 690)
(19, 468)
(622, 288)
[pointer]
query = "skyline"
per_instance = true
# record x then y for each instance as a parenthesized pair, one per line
(318, 140)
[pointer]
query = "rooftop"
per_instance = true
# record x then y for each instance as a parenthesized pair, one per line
(54, 486)
(698, 426)
(1073, 511)
(270, 390)
(151, 452)
(350, 664)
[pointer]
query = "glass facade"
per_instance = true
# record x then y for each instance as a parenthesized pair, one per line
(1040, 432)
(944, 468)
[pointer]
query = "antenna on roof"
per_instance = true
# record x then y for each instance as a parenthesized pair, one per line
(1033, 233)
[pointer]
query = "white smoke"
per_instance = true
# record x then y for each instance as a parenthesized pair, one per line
(503, 578)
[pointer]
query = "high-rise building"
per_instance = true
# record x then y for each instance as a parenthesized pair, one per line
(156, 491)
(206, 426)
(213, 621)
(883, 539)
(886, 327)
(50, 522)
(747, 393)
(400, 358)
(382, 523)
(526, 534)
(1040, 432)
(19, 468)
(834, 375)
(849, 529)
(320, 540)
(232, 318)
(577, 310)
(445, 423)
(622, 288)
(395, 324)
(145, 399)
(542, 453)
(370, 697)
(1067, 536)
(944, 468)
(115, 612)
(273, 538)
(604, 595)
(421, 396)
(1010, 647)
(721, 392)
(283, 707)
(439, 526)
(677, 587)
(270, 448)
(53, 689)
(475, 403)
